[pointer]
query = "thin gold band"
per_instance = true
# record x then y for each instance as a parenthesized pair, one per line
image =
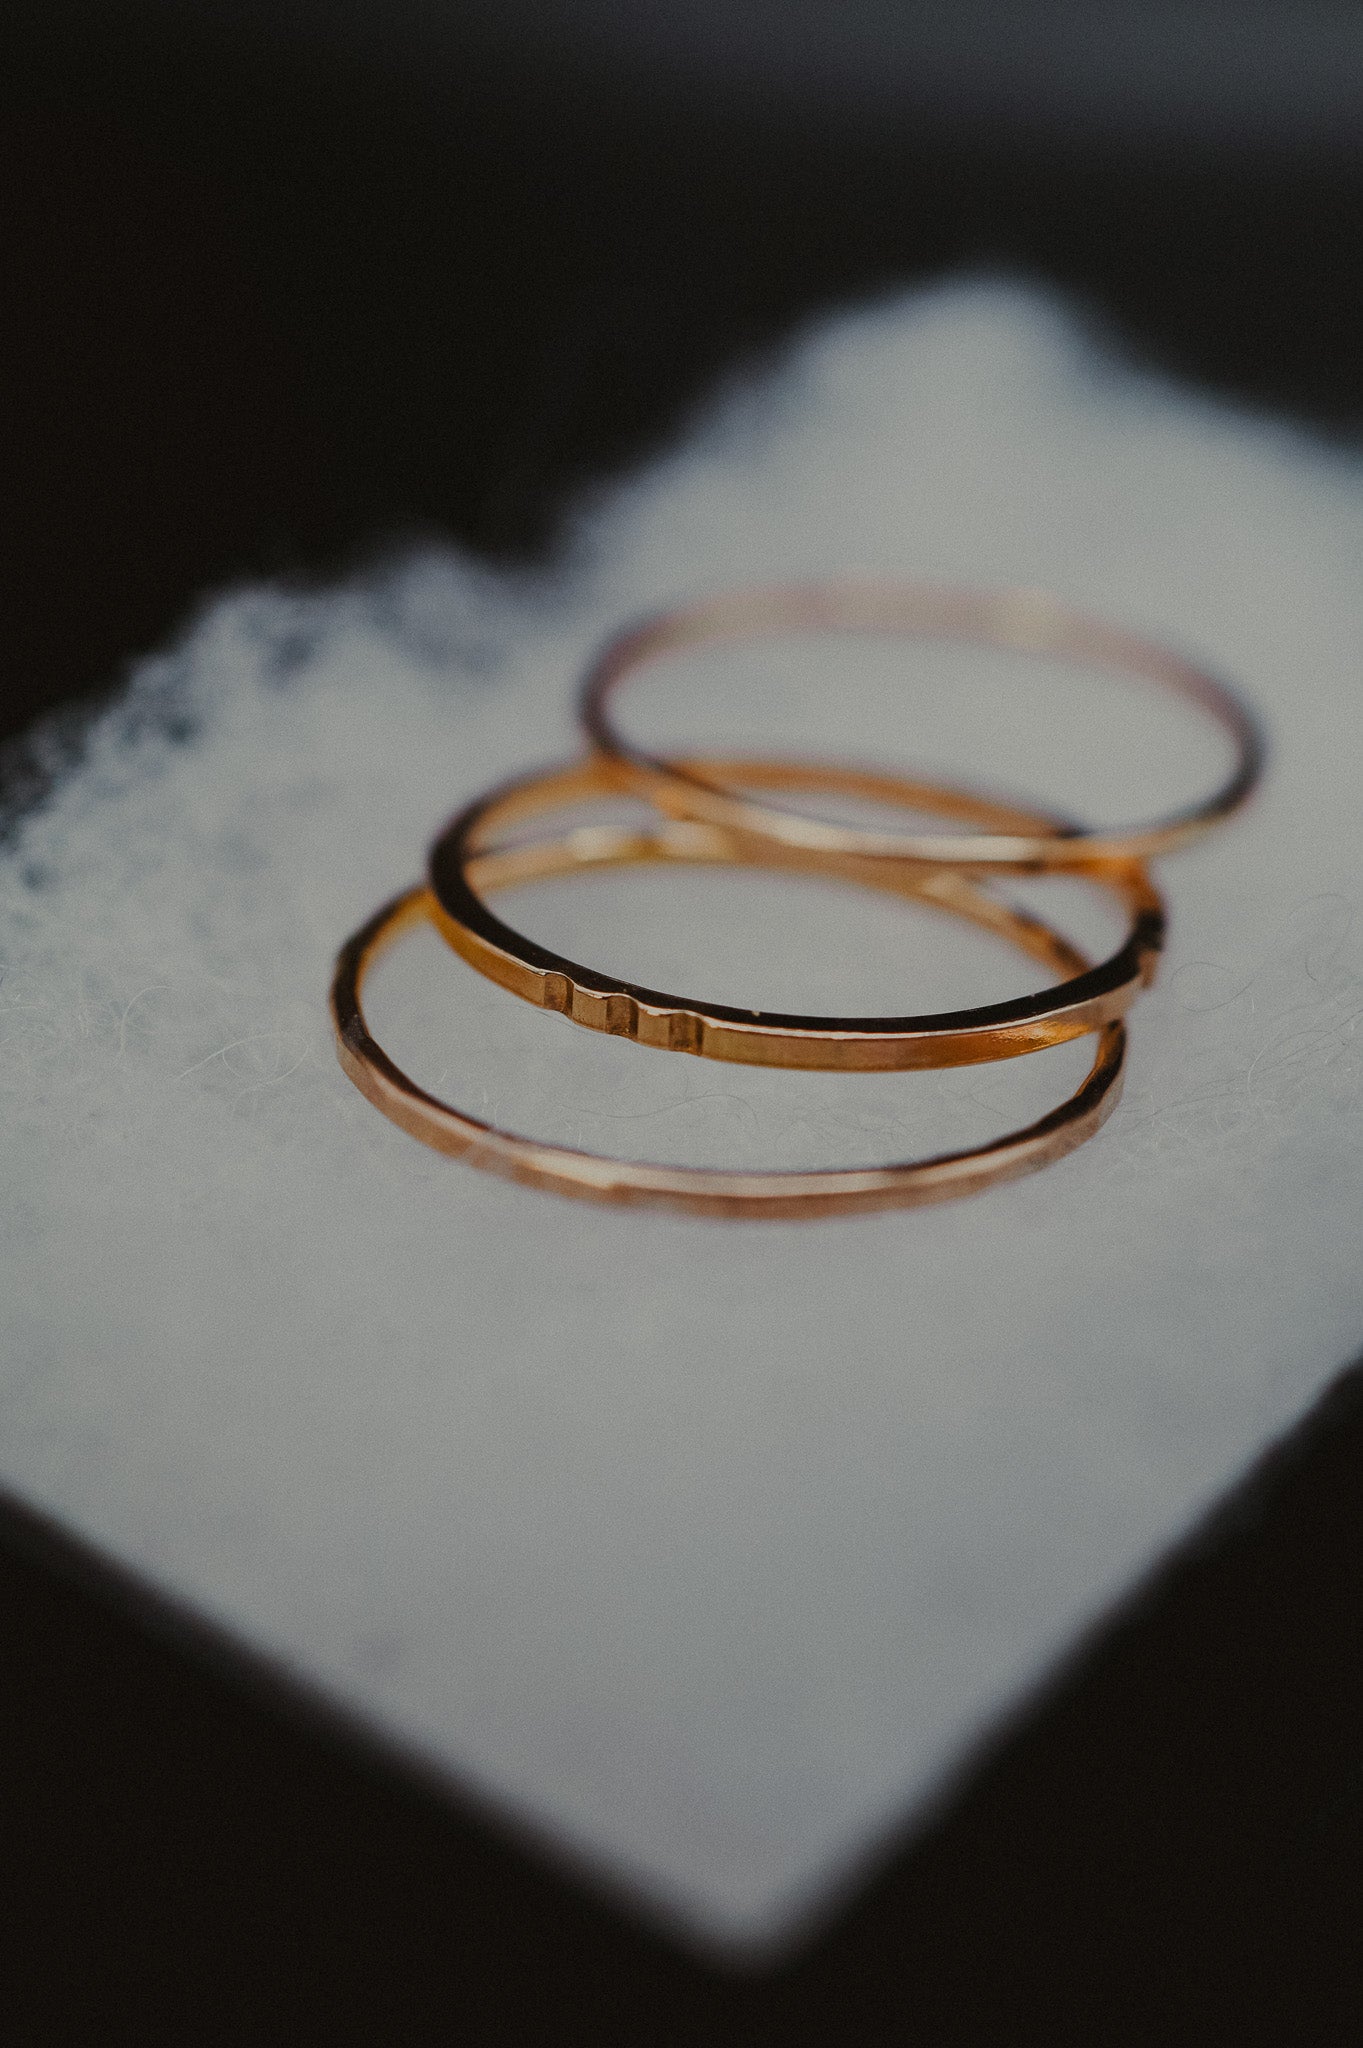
(1088, 999)
(1026, 621)
(692, 1190)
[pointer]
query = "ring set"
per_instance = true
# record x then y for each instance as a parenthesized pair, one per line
(725, 811)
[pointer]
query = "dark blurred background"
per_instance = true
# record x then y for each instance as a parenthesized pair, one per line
(286, 283)
(285, 280)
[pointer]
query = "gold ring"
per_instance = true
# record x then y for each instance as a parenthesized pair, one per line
(1027, 621)
(693, 1190)
(1089, 998)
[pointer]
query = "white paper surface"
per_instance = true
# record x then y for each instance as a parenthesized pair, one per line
(707, 1549)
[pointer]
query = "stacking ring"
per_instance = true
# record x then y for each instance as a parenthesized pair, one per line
(1088, 999)
(693, 1190)
(727, 811)
(1028, 621)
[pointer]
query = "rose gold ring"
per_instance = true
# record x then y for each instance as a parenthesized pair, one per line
(1086, 999)
(694, 1190)
(1027, 621)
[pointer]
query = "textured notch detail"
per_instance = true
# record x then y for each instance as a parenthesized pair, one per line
(686, 1031)
(622, 1016)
